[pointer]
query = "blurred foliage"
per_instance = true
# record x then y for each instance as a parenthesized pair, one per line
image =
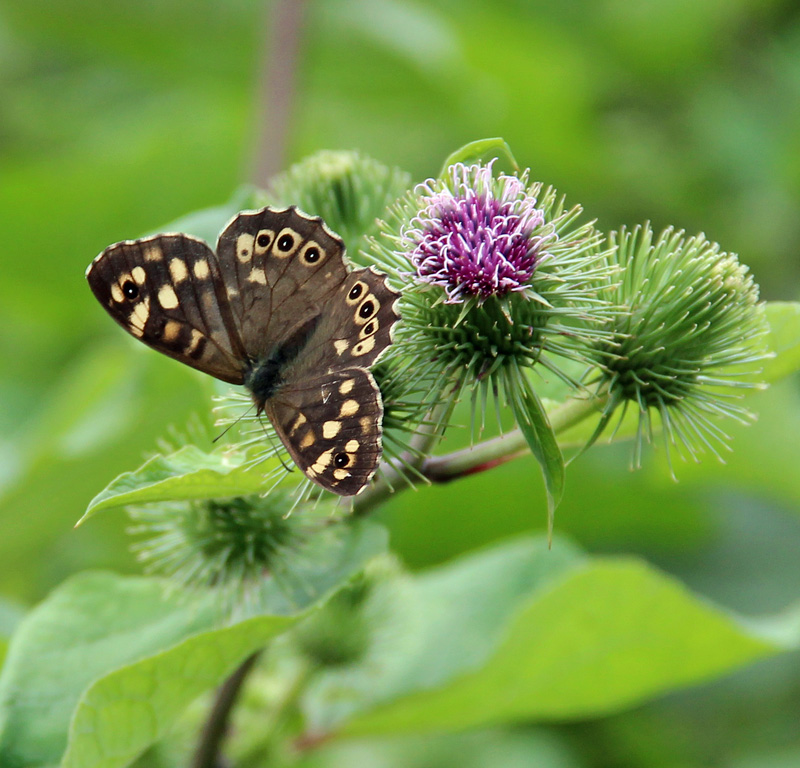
(116, 118)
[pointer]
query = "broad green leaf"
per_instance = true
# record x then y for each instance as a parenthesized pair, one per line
(10, 616)
(189, 473)
(124, 712)
(145, 653)
(127, 710)
(325, 561)
(484, 641)
(431, 628)
(484, 151)
(92, 623)
(504, 748)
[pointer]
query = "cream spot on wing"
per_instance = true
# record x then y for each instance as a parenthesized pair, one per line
(197, 337)
(341, 346)
(116, 293)
(231, 291)
(139, 275)
(244, 247)
(177, 268)
(152, 253)
(364, 346)
(366, 423)
(330, 429)
(298, 422)
(141, 312)
(341, 474)
(201, 269)
(323, 461)
(307, 440)
(167, 297)
(312, 471)
(347, 386)
(349, 408)
(171, 330)
(257, 276)
(136, 331)
(351, 446)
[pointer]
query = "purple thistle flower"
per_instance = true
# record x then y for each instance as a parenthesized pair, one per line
(473, 235)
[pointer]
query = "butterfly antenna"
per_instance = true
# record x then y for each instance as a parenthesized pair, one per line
(277, 450)
(233, 424)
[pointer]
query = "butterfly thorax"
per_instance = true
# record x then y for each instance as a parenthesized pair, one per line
(264, 375)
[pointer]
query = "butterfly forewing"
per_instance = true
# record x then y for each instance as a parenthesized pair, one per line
(331, 427)
(167, 292)
(280, 267)
(358, 327)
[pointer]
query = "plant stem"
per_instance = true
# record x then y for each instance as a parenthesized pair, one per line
(208, 754)
(277, 87)
(478, 458)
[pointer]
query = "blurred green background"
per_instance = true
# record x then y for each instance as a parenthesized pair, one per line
(116, 118)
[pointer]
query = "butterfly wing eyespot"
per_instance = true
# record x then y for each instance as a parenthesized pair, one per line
(356, 292)
(263, 240)
(312, 254)
(369, 329)
(367, 309)
(130, 290)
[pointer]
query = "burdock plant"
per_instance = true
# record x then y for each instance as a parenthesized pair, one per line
(513, 306)
(502, 281)
(506, 291)
(688, 331)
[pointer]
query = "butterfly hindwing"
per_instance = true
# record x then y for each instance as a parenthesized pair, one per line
(281, 267)
(331, 427)
(165, 291)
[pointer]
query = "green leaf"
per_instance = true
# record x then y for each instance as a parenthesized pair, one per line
(129, 709)
(92, 623)
(534, 424)
(10, 616)
(145, 654)
(484, 151)
(431, 628)
(126, 711)
(189, 473)
(484, 641)
(510, 748)
(784, 339)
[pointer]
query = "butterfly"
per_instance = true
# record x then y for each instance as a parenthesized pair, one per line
(276, 309)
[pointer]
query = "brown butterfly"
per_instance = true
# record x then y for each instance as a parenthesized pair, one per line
(276, 309)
